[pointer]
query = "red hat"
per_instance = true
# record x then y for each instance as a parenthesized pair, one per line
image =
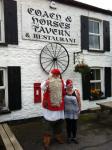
(55, 71)
(69, 82)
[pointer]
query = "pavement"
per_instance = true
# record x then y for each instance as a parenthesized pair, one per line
(93, 133)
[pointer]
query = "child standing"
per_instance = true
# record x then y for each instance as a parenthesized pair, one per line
(72, 111)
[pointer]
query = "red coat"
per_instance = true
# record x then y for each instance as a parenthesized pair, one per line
(46, 103)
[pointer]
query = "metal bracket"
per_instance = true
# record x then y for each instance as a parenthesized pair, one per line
(76, 57)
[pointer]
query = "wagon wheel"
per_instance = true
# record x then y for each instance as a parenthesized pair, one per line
(54, 55)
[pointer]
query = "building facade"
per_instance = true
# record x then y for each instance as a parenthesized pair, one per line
(36, 36)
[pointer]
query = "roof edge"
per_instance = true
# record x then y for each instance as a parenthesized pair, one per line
(85, 6)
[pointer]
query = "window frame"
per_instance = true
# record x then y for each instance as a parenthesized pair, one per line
(102, 78)
(100, 34)
(5, 87)
(2, 22)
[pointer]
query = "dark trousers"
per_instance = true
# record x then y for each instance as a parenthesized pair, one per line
(53, 127)
(71, 127)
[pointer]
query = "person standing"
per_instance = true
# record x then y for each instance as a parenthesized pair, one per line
(72, 110)
(53, 107)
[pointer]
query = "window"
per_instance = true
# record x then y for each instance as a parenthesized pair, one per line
(1, 22)
(95, 30)
(3, 89)
(97, 83)
(95, 34)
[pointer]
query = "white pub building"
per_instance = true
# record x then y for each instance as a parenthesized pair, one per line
(38, 35)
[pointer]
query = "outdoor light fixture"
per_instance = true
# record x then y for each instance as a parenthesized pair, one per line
(52, 5)
(76, 56)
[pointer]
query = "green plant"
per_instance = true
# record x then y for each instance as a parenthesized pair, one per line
(82, 68)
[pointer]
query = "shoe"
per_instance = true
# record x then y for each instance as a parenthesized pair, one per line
(68, 140)
(74, 140)
(60, 139)
(46, 141)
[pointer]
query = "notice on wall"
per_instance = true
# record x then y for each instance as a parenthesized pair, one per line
(44, 25)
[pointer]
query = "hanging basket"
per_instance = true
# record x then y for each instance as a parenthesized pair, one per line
(82, 68)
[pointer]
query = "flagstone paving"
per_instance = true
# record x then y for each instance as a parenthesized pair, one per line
(93, 134)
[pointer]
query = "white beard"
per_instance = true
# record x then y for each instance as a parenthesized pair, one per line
(55, 88)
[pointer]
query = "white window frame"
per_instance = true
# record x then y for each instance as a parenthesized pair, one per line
(101, 79)
(2, 22)
(100, 34)
(5, 87)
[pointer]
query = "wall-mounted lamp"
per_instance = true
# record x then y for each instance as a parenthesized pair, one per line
(52, 5)
(78, 56)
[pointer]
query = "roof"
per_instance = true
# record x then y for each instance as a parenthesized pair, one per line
(85, 6)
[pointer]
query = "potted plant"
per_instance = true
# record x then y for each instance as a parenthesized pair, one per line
(95, 93)
(82, 68)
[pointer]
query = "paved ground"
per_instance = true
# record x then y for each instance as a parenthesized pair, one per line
(93, 134)
(2, 147)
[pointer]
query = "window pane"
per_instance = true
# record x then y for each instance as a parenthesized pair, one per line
(97, 42)
(0, 30)
(0, 9)
(92, 74)
(94, 41)
(92, 86)
(1, 77)
(95, 74)
(98, 74)
(96, 27)
(91, 41)
(96, 86)
(2, 98)
(91, 27)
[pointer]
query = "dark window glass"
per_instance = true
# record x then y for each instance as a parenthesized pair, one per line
(2, 98)
(92, 74)
(1, 77)
(95, 84)
(98, 76)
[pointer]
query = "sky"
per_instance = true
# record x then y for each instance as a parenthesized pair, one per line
(105, 4)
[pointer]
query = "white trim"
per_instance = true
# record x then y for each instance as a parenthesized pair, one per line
(5, 86)
(2, 22)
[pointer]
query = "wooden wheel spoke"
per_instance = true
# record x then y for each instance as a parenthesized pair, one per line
(51, 67)
(58, 52)
(46, 61)
(62, 63)
(47, 54)
(62, 57)
(54, 55)
(48, 64)
(61, 53)
(60, 67)
(49, 51)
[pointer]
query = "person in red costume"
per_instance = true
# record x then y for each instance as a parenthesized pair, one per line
(53, 107)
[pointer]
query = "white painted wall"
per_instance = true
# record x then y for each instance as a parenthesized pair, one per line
(26, 54)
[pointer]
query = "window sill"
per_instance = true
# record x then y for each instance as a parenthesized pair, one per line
(96, 51)
(94, 99)
(4, 111)
(4, 44)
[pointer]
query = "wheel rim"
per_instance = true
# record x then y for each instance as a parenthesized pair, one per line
(54, 55)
